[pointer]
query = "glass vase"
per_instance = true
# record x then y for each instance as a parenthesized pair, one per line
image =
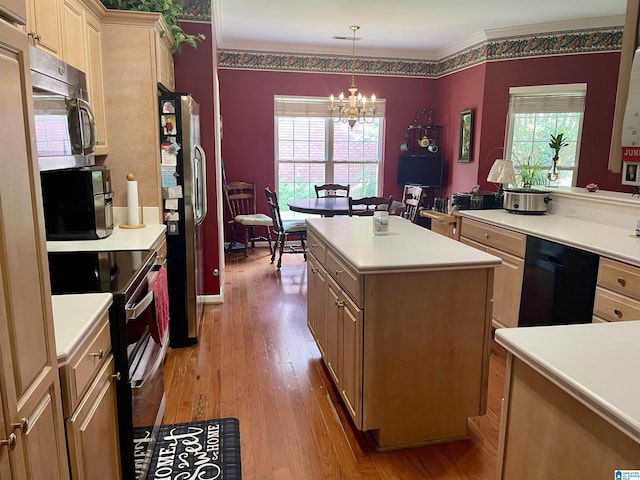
(552, 174)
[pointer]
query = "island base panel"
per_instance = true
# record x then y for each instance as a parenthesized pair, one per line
(546, 433)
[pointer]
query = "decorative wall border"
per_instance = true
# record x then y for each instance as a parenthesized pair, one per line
(570, 42)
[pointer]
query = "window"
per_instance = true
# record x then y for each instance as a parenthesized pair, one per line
(312, 149)
(536, 113)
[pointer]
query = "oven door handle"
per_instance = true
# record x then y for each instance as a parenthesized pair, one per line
(152, 372)
(134, 311)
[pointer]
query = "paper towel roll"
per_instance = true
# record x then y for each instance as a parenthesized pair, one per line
(133, 210)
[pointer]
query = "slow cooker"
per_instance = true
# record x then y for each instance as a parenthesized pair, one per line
(526, 200)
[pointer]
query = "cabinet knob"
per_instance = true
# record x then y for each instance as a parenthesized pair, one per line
(618, 312)
(10, 442)
(314, 245)
(99, 354)
(622, 281)
(23, 425)
(314, 270)
(340, 303)
(117, 376)
(338, 272)
(486, 235)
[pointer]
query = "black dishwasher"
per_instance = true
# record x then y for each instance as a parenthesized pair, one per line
(558, 286)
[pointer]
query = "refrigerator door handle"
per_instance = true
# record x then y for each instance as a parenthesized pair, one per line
(199, 184)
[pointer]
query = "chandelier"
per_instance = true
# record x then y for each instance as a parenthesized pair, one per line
(356, 110)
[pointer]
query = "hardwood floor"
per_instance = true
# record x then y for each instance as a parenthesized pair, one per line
(257, 361)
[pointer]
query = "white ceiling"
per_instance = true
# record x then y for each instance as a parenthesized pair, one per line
(418, 29)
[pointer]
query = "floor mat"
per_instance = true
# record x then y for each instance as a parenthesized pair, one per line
(208, 449)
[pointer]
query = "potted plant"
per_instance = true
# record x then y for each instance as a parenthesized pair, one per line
(170, 12)
(529, 173)
(556, 143)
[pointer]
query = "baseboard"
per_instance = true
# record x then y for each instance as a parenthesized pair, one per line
(214, 299)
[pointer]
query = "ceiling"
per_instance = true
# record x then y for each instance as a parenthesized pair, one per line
(415, 29)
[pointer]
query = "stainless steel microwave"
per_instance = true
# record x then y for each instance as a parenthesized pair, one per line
(64, 122)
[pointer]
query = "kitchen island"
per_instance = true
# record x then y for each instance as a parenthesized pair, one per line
(403, 325)
(571, 406)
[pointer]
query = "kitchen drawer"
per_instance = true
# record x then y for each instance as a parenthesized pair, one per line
(496, 237)
(317, 247)
(619, 277)
(614, 307)
(83, 365)
(348, 279)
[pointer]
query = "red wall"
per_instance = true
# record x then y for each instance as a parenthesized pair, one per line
(600, 73)
(246, 104)
(457, 92)
(194, 74)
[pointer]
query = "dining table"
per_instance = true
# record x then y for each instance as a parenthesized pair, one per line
(330, 206)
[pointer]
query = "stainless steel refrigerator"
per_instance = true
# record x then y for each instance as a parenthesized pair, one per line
(183, 171)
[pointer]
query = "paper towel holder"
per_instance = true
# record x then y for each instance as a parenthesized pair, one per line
(131, 178)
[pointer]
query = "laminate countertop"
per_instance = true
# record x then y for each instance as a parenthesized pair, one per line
(121, 239)
(407, 246)
(597, 364)
(613, 242)
(73, 319)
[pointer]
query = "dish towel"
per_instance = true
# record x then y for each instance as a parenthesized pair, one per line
(161, 298)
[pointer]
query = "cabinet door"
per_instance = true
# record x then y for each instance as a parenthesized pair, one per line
(95, 80)
(351, 356)
(333, 333)
(507, 288)
(44, 25)
(73, 42)
(316, 302)
(165, 63)
(93, 431)
(28, 359)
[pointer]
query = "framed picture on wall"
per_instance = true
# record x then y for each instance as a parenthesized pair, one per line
(466, 134)
(630, 173)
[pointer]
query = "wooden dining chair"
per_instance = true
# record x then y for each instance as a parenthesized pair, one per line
(284, 230)
(241, 200)
(411, 198)
(332, 190)
(371, 204)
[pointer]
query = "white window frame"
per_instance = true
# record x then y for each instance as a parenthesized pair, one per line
(295, 106)
(544, 93)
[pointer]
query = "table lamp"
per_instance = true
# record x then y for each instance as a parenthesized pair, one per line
(501, 172)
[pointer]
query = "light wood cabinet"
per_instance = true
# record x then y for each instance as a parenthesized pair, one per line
(89, 404)
(29, 383)
(82, 48)
(164, 56)
(44, 25)
(617, 295)
(131, 91)
(507, 281)
(383, 341)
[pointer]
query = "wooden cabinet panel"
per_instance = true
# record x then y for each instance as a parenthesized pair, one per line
(316, 301)
(93, 431)
(317, 247)
(619, 277)
(332, 333)
(614, 307)
(500, 238)
(44, 25)
(29, 382)
(95, 80)
(73, 39)
(165, 65)
(507, 279)
(345, 276)
(351, 368)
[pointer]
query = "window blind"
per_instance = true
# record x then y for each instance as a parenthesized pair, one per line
(547, 103)
(292, 106)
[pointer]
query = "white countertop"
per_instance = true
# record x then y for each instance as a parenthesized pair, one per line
(407, 247)
(73, 317)
(613, 242)
(120, 239)
(597, 364)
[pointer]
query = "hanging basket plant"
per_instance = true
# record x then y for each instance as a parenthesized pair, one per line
(169, 11)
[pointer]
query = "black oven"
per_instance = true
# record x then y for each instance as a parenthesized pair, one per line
(139, 336)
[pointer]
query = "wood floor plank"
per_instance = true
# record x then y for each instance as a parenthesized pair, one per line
(256, 360)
